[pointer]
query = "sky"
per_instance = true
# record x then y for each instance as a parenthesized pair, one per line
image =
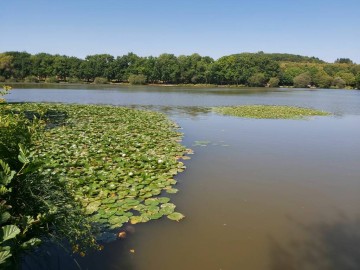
(328, 29)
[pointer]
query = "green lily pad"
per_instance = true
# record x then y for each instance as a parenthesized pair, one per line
(172, 190)
(92, 207)
(176, 216)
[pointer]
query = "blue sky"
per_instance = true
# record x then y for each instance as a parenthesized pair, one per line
(325, 29)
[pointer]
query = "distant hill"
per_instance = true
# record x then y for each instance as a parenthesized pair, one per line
(286, 57)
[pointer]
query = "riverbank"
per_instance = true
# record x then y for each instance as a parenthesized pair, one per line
(197, 86)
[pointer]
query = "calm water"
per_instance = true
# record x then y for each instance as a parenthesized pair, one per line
(262, 194)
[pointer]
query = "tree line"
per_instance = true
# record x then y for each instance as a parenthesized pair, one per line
(248, 69)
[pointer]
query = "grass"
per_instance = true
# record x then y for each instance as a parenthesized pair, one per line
(269, 112)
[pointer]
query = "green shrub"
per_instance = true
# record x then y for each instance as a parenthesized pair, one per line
(303, 80)
(33, 206)
(274, 82)
(338, 83)
(357, 81)
(74, 80)
(257, 79)
(137, 79)
(11, 80)
(2, 79)
(52, 79)
(101, 80)
(31, 79)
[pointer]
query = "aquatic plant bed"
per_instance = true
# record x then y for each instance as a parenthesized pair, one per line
(269, 112)
(119, 162)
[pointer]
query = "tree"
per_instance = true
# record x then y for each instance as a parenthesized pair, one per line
(289, 73)
(5, 64)
(167, 68)
(98, 65)
(357, 81)
(348, 77)
(338, 83)
(344, 61)
(258, 79)
(20, 65)
(43, 65)
(137, 79)
(61, 67)
(322, 79)
(303, 80)
(274, 82)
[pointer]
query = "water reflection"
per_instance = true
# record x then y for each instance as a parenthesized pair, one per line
(336, 101)
(326, 246)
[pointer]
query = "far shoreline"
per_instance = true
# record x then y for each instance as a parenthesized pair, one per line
(198, 86)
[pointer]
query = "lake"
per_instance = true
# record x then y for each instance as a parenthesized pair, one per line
(257, 194)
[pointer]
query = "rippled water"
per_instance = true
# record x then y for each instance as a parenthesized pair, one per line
(262, 194)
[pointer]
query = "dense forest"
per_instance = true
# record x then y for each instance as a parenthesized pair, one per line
(245, 69)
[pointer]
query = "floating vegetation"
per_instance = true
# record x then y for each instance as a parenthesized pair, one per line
(117, 161)
(269, 112)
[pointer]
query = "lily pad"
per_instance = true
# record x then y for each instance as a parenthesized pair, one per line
(92, 207)
(172, 190)
(176, 216)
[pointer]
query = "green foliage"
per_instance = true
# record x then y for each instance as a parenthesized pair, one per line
(338, 83)
(348, 78)
(269, 111)
(38, 206)
(322, 79)
(31, 79)
(3, 92)
(74, 80)
(357, 81)
(131, 159)
(344, 61)
(236, 69)
(303, 80)
(274, 82)
(12, 238)
(285, 57)
(258, 79)
(51, 79)
(137, 79)
(100, 80)
(2, 79)
(11, 80)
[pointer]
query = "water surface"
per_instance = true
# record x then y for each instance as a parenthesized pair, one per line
(262, 194)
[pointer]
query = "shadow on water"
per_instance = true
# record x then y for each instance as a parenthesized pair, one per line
(327, 246)
(51, 256)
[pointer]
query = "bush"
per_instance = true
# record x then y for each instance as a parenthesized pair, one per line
(74, 80)
(101, 80)
(338, 83)
(31, 79)
(137, 79)
(2, 79)
(258, 79)
(34, 206)
(303, 80)
(357, 81)
(52, 79)
(11, 80)
(274, 82)
(322, 79)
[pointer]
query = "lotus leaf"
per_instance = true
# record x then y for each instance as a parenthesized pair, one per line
(92, 207)
(176, 216)
(172, 190)
(113, 159)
